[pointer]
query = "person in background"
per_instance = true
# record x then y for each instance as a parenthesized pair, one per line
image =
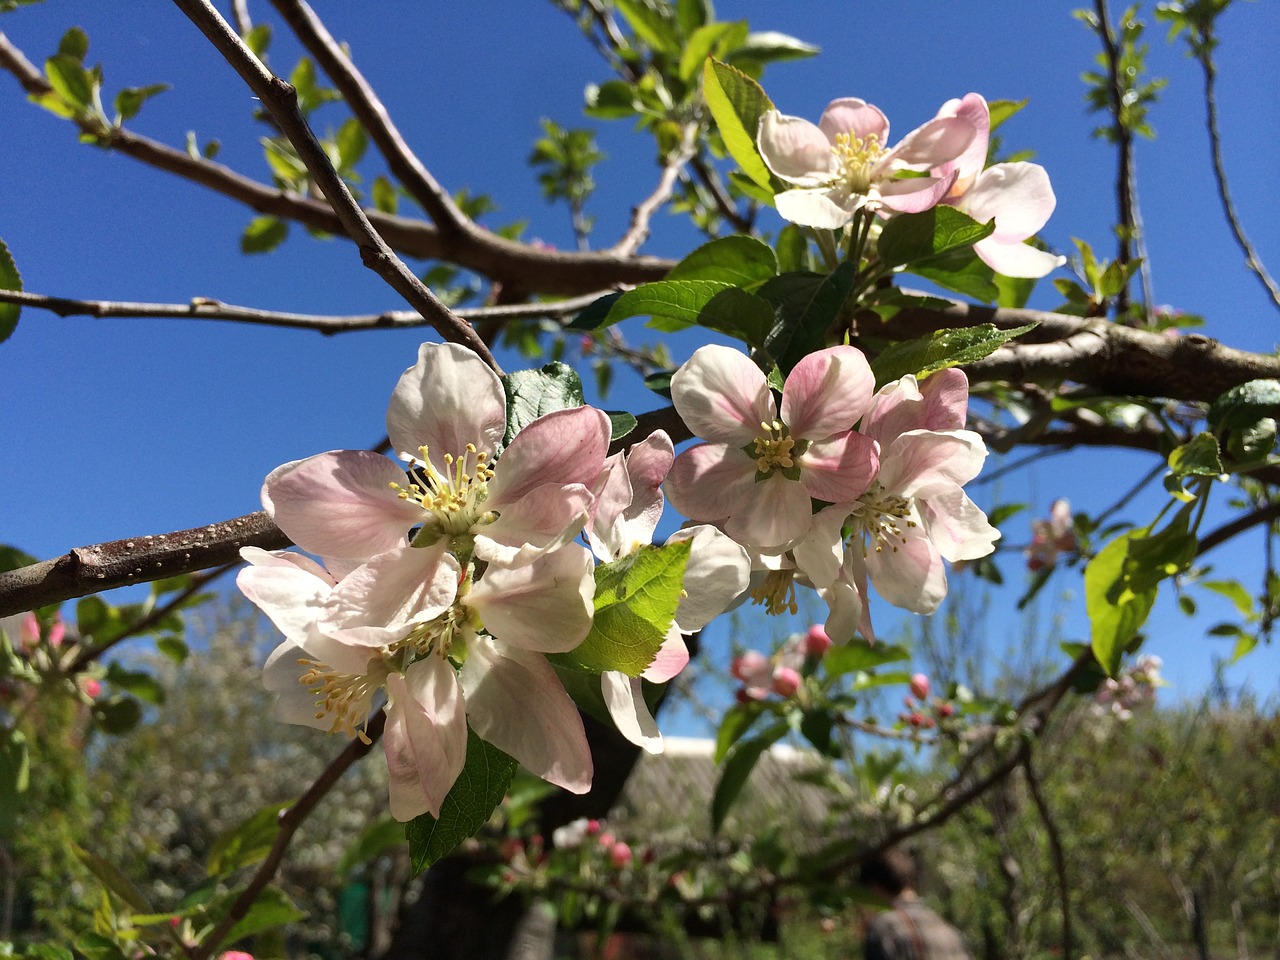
(908, 930)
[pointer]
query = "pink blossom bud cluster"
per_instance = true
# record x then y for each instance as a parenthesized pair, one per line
(921, 712)
(46, 648)
(781, 673)
(1135, 687)
(591, 839)
(1051, 537)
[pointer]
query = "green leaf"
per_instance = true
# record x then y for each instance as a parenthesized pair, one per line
(635, 602)
(692, 14)
(942, 349)
(1014, 292)
(70, 80)
(1002, 110)
(741, 261)
(1198, 457)
(793, 250)
(857, 655)
(247, 843)
(258, 39)
(352, 143)
(141, 685)
(130, 100)
(621, 423)
(672, 304)
(385, 197)
(117, 715)
(649, 25)
(611, 100)
(804, 319)
(737, 103)
(961, 272)
(74, 44)
(1245, 404)
(739, 314)
(10, 279)
(1234, 591)
(271, 909)
(913, 237)
(769, 46)
(175, 648)
(533, 393)
(737, 767)
(1116, 611)
(1245, 643)
(263, 234)
(737, 721)
(712, 39)
(374, 840)
(113, 880)
(467, 807)
(15, 772)
(11, 558)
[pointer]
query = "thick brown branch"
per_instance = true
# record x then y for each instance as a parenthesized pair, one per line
(121, 563)
(202, 308)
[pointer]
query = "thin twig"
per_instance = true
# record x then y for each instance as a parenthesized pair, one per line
(643, 212)
(240, 13)
(1252, 261)
(290, 820)
(373, 116)
(1124, 149)
(710, 178)
(281, 101)
(203, 308)
(1055, 850)
(1222, 534)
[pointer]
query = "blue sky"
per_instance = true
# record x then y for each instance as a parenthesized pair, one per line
(115, 428)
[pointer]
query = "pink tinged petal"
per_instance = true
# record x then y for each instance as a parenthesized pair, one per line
(648, 463)
(946, 397)
(818, 207)
(927, 463)
(958, 527)
(425, 738)
(774, 515)
(795, 149)
(285, 558)
(722, 396)
(567, 446)
(909, 573)
(969, 164)
(827, 392)
(710, 481)
(537, 601)
(931, 144)
(845, 610)
(291, 597)
(382, 600)
(515, 701)
(671, 658)
(449, 398)
(717, 573)
(340, 504)
(840, 469)
(914, 194)
(547, 517)
(895, 409)
(624, 697)
(1018, 196)
(606, 529)
(1017, 259)
(853, 116)
(342, 657)
(820, 554)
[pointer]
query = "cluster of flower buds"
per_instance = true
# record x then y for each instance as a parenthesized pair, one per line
(781, 673)
(46, 648)
(592, 839)
(921, 712)
(1051, 537)
(1135, 687)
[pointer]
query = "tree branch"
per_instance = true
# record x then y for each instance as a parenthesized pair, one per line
(202, 308)
(281, 101)
(1055, 850)
(643, 212)
(1124, 148)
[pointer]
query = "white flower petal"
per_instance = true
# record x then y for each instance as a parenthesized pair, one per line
(624, 697)
(425, 739)
(449, 398)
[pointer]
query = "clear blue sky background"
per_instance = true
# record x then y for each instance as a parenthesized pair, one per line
(115, 428)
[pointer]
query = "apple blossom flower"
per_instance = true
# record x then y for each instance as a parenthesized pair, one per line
(447, 417)
(755, 671)
(912, 517)
(761, 467)
(628, 504)
(1017, 196)
(1051, 537)
(844, 163)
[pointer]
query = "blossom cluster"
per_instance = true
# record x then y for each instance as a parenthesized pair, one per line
(844, 164)
(448, 586)
(1051, 537)
(781, 673)
(1135, 687)
(836, 485)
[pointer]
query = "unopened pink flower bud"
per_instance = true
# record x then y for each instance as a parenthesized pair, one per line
(607, 840)
(593, 827)
(747, 666)
(785, 682)
(816, 641)
(920, 686)
(57, 631)
(91, 688)
(28, 633)
(235, 955)
(620, 855)
(946, 709)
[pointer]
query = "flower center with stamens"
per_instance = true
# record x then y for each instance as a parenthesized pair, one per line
(455, 496)
(448, 634)
(884, 517)
(857, 158)
(774, 448)
(345, 698)
(776, 593)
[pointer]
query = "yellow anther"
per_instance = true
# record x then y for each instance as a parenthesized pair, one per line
(774, 448)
